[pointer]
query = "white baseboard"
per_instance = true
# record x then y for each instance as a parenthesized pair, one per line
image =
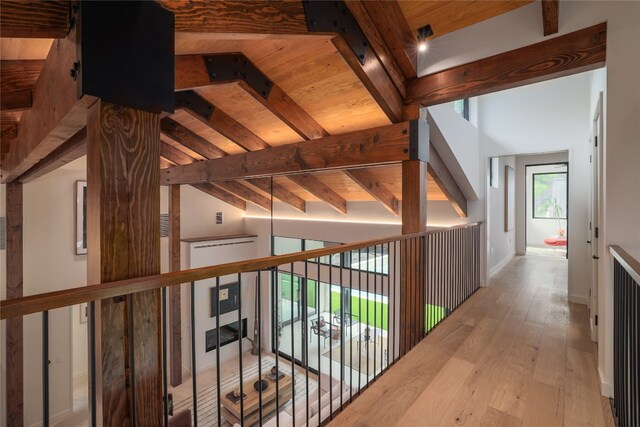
(496, 268)
(605, 387)
(579, 299)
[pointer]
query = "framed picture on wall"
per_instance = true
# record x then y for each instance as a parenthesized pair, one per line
(509, 198)
(81, 217)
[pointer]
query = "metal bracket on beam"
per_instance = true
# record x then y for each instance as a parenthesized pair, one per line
(335, 17)
(235, 66)
(419, 140)
(190, 100)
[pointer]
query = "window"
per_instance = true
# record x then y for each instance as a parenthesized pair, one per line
(550, 195)
(462, 107)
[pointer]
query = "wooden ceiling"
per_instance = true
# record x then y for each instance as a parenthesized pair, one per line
(309, 68)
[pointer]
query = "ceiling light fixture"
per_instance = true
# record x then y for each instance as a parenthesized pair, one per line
(423, 33)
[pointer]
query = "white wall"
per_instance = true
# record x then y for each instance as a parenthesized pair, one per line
(622, 128)
(502, 244)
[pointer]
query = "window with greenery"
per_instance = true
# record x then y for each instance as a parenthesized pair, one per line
(462, 107)
(550, 195)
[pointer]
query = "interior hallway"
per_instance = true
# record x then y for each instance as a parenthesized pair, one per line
(516, 353)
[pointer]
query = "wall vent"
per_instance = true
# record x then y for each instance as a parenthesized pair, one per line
(164, 225)
(218, 218)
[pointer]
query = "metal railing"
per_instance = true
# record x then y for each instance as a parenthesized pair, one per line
(318, 334)
(626, 327)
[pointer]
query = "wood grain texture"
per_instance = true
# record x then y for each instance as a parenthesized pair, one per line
(568, 54)
(550, 9)
(253, 17)
(190, 139)
(73, 149)
(175, 316)
(372, 185)
(374, 77)
(47, 125)
(224, 124)
(379, 42)
(321, 190)
(14, 327)
(245, 193)
(33, 18)
(388, 18)
(442, 176)
(279, 192)
(446, 16)
(124, 234)
(387, 144)
(17, 79)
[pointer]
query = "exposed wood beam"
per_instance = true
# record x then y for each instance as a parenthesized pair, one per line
(381, 145)
(175, 316)
(57, 112)
(8, 131)
(73, 149)
(447, 183)
(123, 228)
(190, 139)
(279, 192)
(568, 54)
(179, 157)
(238, 17)
(550, 16)
(17, 79)
(321, 191)
(14, 327)
(245, 193)
(372, 185)
(378, 42)
(221, 194)
(387, 17)
(34, 18)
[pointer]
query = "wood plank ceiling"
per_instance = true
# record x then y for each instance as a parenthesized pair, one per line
(308, 68)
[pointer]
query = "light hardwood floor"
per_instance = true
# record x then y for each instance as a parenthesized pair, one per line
(515, 354)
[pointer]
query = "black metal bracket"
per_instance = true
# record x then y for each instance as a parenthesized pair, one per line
(235, 66)
(190, 100)
(335, 17)
(419, 140)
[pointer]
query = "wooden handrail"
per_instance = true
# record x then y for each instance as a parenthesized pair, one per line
(629, 263)
(83, 294)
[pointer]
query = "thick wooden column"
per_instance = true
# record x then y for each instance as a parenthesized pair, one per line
(123, 182)
(14, 344)
(412, 252)
(175, 356)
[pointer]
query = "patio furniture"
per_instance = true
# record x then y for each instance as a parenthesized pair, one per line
(325, 330)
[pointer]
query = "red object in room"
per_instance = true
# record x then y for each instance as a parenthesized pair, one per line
(555, 241)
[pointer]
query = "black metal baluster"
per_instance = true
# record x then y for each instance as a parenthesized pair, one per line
(350, 322)
(240, 334)
(277, 339)
(45, 368)
(368, 327)
(395, 311)
(325, 340)
(375, 305)
(305, 316)
(92, 363)
(165, 386)
(342, 319)
(360, 318)
(194, 375)
(293, 352)
(330, 349)
(218, 385)
(259, 339)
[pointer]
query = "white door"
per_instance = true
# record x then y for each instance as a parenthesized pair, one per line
(594, 218)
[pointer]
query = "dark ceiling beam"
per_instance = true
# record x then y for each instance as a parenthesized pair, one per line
(190, 139)
(35, 18)
(550, 16)
(564, 55)
(387, 17)
(447, 183)
(372, 185)
(178, 157)
(279, 192)
(387, 144)
(74, 148)
(321, 190)
(237, 17)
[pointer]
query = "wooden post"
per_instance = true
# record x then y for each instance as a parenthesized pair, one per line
(14, 337)
(175, 357)
(412, 252)
(123, 220)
